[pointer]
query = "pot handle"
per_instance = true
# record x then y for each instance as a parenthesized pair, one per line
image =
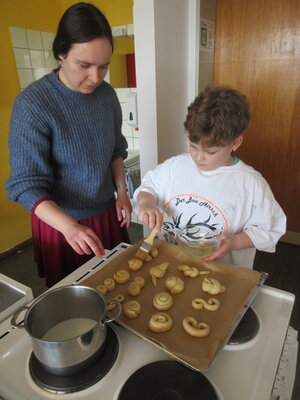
(117, 310)
(13, 320)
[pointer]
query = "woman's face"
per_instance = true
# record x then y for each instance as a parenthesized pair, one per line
(85, 65)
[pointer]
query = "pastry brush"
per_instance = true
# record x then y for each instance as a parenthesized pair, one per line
(147, 244)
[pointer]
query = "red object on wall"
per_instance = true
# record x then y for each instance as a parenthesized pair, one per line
(130, 65)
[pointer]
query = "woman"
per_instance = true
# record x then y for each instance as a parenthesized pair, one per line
(67, 150)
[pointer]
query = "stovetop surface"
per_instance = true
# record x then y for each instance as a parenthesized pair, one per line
(246, 371)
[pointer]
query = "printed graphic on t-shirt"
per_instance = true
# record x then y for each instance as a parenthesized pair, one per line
(190, 209)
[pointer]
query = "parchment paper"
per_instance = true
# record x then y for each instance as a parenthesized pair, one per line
(198, 353)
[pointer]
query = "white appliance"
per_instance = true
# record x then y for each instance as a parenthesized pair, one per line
(261, 369)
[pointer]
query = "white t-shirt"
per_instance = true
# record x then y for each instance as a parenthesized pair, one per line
(230, 199)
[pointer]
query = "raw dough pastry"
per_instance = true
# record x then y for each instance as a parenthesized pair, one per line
(195, 328)
(174, 284)
(162, 301)
(134, 289)
(140, 281)
(191, 272)
(212, 286)
(160, 322)
(120, 298)
(135, 264)
(154, 252)
(211, 304)
(158, 271)
(132, 309)
(110, 284)
(102, 289)
(121, 276)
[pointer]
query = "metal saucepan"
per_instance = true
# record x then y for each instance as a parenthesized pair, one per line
(67, 326)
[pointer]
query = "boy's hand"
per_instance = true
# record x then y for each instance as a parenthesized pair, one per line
(151, 216)
(230, 242)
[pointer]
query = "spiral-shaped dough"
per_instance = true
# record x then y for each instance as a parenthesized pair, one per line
(134, 289)
(132, 309)
(212, 286)
(110, 284)
(211, 304)
(135, 264)
(140, 281)
(174, 284)
(162, 301)
(160, 322)
(195, 328)
(121, 276)
(102, 289)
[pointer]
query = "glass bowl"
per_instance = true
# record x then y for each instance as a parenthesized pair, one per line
(196, 241)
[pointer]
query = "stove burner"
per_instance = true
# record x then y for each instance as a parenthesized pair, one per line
(82, 379)
(247, 328)
(167, 380)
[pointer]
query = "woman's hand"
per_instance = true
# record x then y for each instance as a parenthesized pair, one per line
(230, 242)
(123, 207)
(83, 240)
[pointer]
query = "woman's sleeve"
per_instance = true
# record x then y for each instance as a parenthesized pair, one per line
(31, 175)
(267, 222)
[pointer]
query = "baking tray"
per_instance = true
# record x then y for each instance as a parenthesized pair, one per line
(242, 285)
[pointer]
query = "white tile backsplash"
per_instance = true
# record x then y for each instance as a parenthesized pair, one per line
(128, 131)
(33, 54)
(25, 77)
(50, 61)
(19, 37)
(37, 59)
(47, 39)
(22, 57)
(34, 39)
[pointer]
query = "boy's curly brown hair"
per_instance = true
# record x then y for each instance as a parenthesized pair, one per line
(218, 115)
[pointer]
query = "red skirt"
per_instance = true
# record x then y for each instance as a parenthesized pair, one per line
(56, 259)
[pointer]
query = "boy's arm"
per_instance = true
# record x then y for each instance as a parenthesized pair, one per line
(148, 212)
(230, 242)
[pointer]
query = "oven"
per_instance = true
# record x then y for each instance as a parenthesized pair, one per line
(258, 366)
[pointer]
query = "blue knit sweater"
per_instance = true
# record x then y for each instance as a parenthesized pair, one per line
(61, 145)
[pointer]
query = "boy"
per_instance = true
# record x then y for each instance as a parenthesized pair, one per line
(210, 186)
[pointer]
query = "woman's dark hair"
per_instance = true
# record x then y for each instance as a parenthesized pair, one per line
(80, 23)
(217, 116)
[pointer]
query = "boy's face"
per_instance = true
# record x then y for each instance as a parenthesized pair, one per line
(210, 158)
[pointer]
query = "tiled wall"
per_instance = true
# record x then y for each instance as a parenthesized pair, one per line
(131, 133)
(33, 53)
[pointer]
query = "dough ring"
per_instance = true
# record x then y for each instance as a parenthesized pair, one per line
(174, 284)
(212, 286)
(102, 289)
(135, 264)
(160, 322)
(121, 276)
(132, 309)
(158, 271)
(140, 281)
(211, 304)
(134, 289)
(110, 284)
(195, 328)
(162, 301)
(118, 297)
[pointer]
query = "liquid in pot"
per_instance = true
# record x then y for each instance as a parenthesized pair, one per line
(69, 329)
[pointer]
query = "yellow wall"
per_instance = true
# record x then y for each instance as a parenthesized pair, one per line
(38, 15)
